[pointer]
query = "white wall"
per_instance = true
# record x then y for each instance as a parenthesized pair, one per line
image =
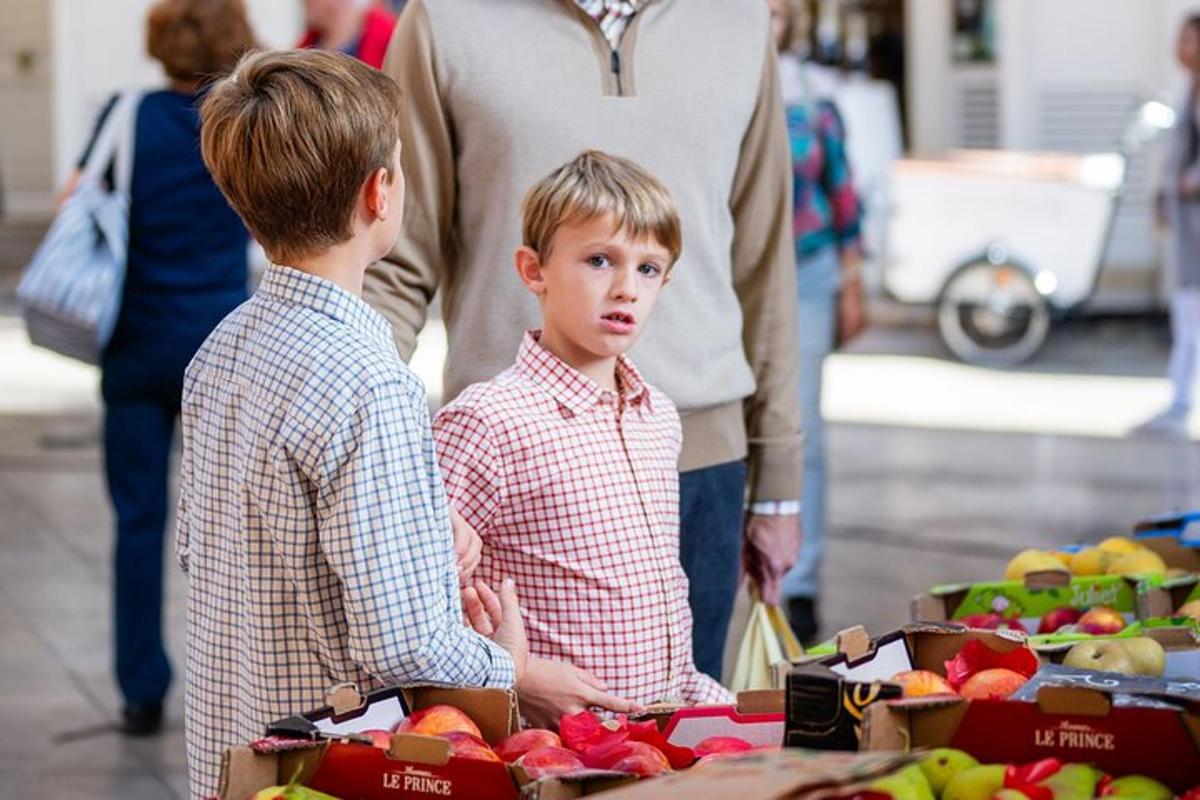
(99, 47)
(26, 153)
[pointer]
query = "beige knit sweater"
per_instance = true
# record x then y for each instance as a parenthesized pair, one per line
(500, 92)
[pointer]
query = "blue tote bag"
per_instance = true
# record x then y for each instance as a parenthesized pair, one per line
(70, 292)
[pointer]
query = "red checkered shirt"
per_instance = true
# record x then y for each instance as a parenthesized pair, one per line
(575, 492)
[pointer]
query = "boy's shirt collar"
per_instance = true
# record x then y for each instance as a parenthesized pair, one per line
(296, 287)
(572, 390)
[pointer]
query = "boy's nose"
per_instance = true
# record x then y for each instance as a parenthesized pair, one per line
(625, 284)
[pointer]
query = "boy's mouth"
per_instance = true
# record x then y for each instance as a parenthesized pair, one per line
(619, 322)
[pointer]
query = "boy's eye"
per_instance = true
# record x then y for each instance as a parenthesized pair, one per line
(648, 269)
(598, 261)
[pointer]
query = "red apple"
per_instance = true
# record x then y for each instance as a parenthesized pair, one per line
(921, 683)
(436, 720)
(721, 745)
(985, 621)
(642, 759)
(550, 760)
(992, 684)
(379, 738)
(466, 745)
(1057, 618)
(1101, 621)
(521, 742)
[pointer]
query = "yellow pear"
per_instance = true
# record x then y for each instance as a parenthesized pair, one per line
(1063, 558)
(1119, 545)
(1139, 562)
(1030, 561)
(1090, 561)
(1148, 656)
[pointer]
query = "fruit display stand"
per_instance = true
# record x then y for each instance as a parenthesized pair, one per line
(1179, 648)
(1123, 726)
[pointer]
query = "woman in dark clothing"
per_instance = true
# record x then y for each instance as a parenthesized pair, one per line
(186, 270)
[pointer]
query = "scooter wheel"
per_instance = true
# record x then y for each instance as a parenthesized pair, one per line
(992, 315)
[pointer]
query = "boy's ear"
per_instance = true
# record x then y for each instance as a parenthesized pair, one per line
(375, 195)
(529, 268)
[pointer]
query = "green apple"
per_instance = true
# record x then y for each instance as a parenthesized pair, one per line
(1103, 654)
(1138, 786)
(975, 783)
(1073, 782)
(1148, 656)
(1010, 794)
(942, 764)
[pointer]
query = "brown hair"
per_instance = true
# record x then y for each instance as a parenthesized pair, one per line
(198, 40)
(291, 135)
(594, 184)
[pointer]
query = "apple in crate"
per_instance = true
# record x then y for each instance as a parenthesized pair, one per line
(992, 684)
(379, 738)
(466, 745)
(513, 747)
(550, 760)
(921, 683)
(1101, 620)
(642, 759)
(721, 745)
(1053, 620)
(436, 720)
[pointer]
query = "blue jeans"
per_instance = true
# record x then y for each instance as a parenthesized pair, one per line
(817, 279)
(711, 520)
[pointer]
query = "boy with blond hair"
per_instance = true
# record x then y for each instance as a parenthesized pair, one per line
(566, 463)
(312, 523)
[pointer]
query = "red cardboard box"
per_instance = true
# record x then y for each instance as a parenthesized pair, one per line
(351, 769)
(1071, 723)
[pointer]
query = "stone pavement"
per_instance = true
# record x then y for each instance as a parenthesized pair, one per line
(916, 499)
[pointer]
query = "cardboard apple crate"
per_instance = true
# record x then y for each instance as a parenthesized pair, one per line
(1074, 723)
(414, 767)
(1027, 600)
(787, 774)
(826, 699)
(1181, 643)
(757, 717)
(1174, 536)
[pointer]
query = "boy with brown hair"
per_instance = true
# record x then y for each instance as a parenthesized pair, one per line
(566, 463)
(312, 523)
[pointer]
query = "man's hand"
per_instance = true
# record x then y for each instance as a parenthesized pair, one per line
(771, 548)
(499, 619)
(468, 547)
(852, 309)
(550, 689)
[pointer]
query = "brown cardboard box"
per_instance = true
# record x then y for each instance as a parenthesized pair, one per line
(768, 776)
(415, 766)
(1072, 723)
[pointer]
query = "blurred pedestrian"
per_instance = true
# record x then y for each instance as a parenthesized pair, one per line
(1179, 211)
(186, 270)
(829, 292)
(497, 94)
(360, 28)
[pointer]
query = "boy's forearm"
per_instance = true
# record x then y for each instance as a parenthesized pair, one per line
(765, 282)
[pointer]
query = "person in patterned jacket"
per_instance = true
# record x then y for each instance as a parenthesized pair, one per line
(566, 462)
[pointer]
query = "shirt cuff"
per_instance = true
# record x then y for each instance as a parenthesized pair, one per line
(503, 672)
(775, 508)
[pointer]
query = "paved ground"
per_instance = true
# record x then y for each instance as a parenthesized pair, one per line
(939, 472)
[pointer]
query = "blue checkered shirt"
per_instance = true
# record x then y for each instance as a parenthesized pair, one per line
(312, 520)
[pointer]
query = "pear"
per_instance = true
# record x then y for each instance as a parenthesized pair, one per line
(1139, 562)
(1030, 561)
(975, 783)
(909, 783)
(942, 764)
(1073, 782)
(1101, 654)
(1090, 561)
(1138, 786)
(1148, 656)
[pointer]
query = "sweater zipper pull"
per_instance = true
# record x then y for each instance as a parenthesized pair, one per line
(616, 70)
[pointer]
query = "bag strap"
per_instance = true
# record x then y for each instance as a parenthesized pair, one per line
(115, 140)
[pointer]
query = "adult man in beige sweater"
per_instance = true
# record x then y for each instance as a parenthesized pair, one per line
(500, 93)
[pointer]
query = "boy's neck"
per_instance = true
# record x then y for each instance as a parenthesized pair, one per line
(339, 264)
(601, 371)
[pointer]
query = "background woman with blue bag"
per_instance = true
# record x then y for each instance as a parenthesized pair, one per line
(186, 269)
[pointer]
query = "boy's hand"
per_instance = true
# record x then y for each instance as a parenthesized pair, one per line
(467, 546)
(499, 619)
(553, 688)
(771, 548)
